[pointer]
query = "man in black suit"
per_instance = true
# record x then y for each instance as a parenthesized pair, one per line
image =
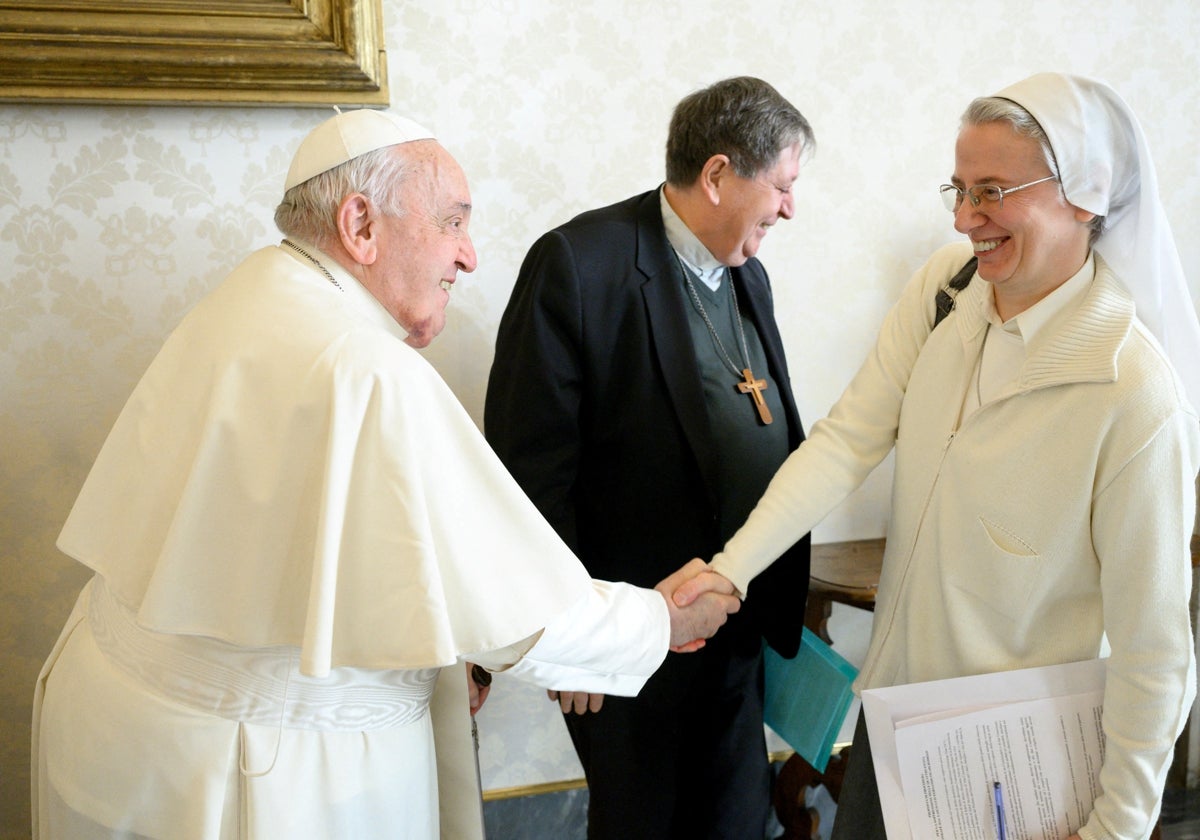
(640, 396)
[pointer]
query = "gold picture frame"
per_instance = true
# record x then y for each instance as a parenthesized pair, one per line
(210, 52)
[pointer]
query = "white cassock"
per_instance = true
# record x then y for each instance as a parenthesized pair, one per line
(296, 529)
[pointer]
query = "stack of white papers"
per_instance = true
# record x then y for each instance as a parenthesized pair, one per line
(940, 747)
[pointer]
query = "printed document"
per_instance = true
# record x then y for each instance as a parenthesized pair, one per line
(940, 747)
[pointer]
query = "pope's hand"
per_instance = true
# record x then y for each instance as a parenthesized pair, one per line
(479, 685)
(710, 602)
(576, 701)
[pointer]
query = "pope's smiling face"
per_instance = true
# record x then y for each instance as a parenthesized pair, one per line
(424, 249)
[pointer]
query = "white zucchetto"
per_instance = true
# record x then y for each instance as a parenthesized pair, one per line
(346, 136)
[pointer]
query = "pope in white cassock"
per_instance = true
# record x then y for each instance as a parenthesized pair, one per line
(296, 529)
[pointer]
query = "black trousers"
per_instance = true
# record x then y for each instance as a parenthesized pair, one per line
(686, 758)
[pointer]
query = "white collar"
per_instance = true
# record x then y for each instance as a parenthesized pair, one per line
(1039, 318)
(1082, 347)
(688, 247)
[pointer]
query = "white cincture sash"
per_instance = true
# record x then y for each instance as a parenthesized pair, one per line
(254, 685)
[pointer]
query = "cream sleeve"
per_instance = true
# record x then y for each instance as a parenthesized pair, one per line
(844, 447)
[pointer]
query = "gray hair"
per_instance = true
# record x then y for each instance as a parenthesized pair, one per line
(309, 209)
(990, 109)
(744, 118)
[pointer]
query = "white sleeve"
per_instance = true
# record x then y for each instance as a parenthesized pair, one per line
(609, 642)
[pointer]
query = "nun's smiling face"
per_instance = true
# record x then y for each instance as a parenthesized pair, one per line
(1030, 241)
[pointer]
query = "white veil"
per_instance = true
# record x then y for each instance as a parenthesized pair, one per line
(1105, 168)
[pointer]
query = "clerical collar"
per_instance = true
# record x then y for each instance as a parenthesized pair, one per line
(691, 251)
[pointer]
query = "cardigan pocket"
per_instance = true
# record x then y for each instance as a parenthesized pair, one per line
(1007, 541)
(1002, 572)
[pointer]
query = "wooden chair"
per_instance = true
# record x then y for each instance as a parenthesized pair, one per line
(845, 573)
(799, 821)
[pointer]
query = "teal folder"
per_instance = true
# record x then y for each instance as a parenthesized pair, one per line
(807, 697)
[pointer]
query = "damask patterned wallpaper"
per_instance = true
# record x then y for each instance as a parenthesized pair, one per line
(115, 220)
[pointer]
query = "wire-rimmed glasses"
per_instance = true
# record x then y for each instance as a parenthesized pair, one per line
(952, 196)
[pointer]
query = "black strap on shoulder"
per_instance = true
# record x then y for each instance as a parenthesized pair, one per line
(944, 301)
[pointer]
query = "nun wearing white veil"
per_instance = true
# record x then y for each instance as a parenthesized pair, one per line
(1046, 443)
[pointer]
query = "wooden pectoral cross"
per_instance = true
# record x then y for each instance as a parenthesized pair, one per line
(755, 387)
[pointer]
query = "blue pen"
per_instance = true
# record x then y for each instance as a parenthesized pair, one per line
(1001, 830)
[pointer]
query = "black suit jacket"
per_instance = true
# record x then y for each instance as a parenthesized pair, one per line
(596, 406)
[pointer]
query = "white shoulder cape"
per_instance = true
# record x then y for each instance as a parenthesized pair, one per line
(289, 472)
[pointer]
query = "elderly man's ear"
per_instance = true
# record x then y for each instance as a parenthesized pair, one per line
(356, 229)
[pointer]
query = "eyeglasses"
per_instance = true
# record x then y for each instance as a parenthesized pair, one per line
(952, 196)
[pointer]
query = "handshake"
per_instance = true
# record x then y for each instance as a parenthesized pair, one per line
(698, 601)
